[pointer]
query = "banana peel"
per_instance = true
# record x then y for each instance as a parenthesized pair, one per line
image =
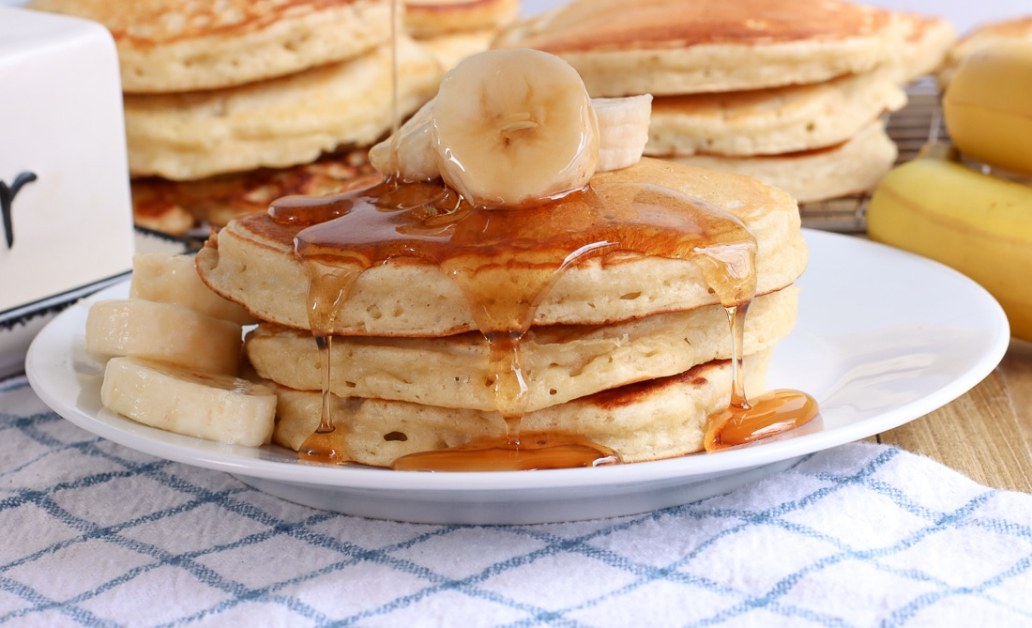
(987, 107)
(976, 223)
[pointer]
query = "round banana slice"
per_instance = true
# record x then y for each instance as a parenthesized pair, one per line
(623, 130)
(409, 154)
(163, 332)
(174, 279)
(203, 405)
(513, 127)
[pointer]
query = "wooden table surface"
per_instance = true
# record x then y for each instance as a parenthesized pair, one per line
(986, 433)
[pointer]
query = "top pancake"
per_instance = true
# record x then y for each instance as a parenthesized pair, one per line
(675, 47)
(167, 46)
(252, 262)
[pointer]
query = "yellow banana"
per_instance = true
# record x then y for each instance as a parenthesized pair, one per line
(988, 106)
(976, 223)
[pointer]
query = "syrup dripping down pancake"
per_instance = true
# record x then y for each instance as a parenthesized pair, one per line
(252, 262)
(657, 418)
(559, 363)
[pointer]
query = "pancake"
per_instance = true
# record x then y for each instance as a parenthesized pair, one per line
(658, 418)
(166, 46)
(925, 45)
(668, 47)
(434, 18)
(276, 123)
(774, 120)
(252, 262)
(981, 36)
(175, 207)
(450, 48)
(853, 166)
(559, 363)
(152, 211)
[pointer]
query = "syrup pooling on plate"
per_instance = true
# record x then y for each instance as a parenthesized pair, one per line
(534, 451)
(766, 415)
(506, 260)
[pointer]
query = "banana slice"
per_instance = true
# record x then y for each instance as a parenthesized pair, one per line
(163, 332)
(174, 279)
(409, 155)
(623, 128)
(512, 127)
(214, 407)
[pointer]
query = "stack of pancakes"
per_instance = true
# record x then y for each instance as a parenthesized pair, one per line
(628, 351)
(231, 104)
(789, 91)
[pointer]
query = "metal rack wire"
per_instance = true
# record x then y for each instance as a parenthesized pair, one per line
(911, 128)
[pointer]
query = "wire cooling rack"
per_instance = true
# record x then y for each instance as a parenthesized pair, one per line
(911, 128)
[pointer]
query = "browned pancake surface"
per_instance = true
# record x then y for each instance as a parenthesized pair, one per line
(177, 206)
(609, 24)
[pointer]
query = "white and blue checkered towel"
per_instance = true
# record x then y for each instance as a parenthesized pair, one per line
(97, 534)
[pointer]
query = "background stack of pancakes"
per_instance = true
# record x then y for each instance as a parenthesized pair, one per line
(456, 29)
(630, 353)
(789, 91)
(230, 105)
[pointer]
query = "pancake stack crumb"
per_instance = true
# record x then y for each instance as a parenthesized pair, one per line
(252, 100)
(791, 92)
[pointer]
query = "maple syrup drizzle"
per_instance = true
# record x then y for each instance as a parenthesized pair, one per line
(326, 444)
(506, 260)
(330, 287)
(395, 113)
(508, 385)
(745, 421)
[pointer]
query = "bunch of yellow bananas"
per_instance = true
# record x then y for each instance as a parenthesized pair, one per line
(977, 223)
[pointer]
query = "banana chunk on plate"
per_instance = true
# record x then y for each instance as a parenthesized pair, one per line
(215, 407)
(174, 279)
(163, 332)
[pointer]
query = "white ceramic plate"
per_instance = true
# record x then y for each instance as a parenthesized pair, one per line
(883, 337)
